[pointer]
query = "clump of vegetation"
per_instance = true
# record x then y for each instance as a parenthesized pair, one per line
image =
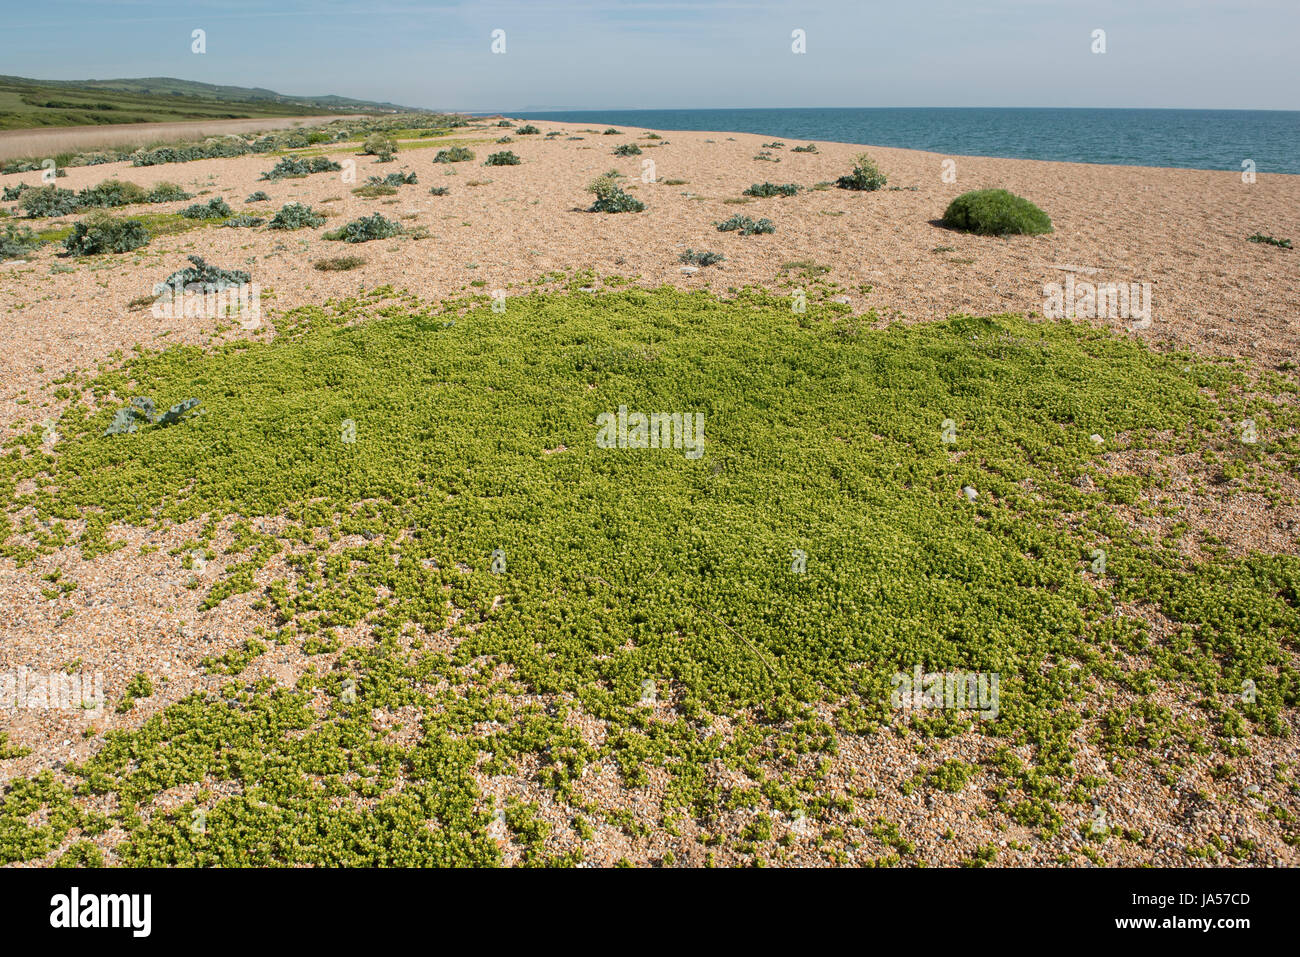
(142, 411)
(611, 198)
(243, 219)
(168, 193)
(701, 258)
(205, 275)
(339, 263)
(627, 149)
(438, 190)
(296, 216)
(506, 139)
(374, 190)
(504, 123)
(378, 144)
(613, 132)
(1006, 570)
(527, 130)
(746, 226)
(392, 179)
(866, 176)
(810, 148)
(1261, 238)
(214, 148)
(293, 167)
(17, 241)
(215, 208)
(258, 197)
(111, 193)
(46, 201)
(764, 190)
(101, 233)
(14, 193)
(366, 229)
(456, 154)
(996, 212)
(502, 159)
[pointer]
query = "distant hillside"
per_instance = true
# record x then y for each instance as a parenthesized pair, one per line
(31, 104)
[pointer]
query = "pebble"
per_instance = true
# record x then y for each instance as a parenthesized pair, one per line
(970, 493)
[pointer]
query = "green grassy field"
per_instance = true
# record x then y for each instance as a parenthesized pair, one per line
(31, 104)
(475, 431)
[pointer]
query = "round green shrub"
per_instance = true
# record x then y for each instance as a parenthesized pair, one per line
(996, 212)
(101, 233)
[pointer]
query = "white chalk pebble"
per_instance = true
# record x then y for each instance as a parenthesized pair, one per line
(970, 493)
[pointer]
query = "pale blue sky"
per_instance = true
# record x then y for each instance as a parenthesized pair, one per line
(630, 54)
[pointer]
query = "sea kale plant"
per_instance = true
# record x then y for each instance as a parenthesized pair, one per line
(611, 198)
(746, 226)
(215, 208)
(456, 154)
(366, 229)
(506, 158)
(772, 189)
(101, 233)
(17, 241)
(296, 216)
(866, 176)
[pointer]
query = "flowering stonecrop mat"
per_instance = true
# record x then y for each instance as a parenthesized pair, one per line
(517, 643)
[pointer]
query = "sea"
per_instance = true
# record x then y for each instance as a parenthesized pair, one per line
(1190, 139)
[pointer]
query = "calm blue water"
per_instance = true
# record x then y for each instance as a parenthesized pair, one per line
(1196, 139)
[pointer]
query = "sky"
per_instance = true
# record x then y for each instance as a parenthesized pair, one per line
(651, 54)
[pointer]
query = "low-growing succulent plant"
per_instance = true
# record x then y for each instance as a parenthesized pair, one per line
(101, 233)
(746, 226)
(366, 229)
(764, 190)
(142, 411)
(296, 216)
(611, 198)
(866, 176)
(215, 208)
(1269, 240)
(456, 154)
(506, 158)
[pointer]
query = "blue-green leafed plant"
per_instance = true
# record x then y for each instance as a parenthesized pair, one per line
(215, 208)
(627, 149)
(296, 216)
(506, 158)
(746, 226)
(48, 201)
(456, 154)
(17, 241)
(764, 190)
(366, 229)
(101, 233)
(142, 411)
(258, 197)
(611, 198)
(866, 176)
